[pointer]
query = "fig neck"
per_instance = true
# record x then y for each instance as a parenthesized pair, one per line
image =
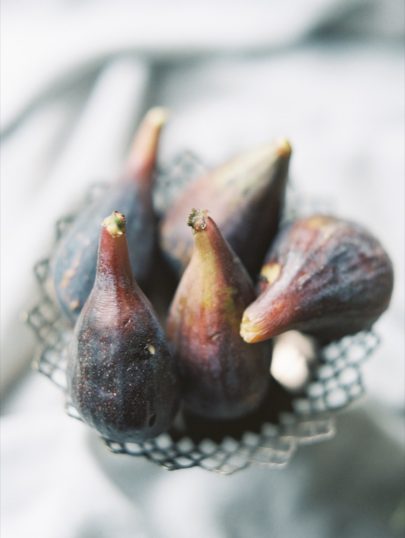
(142, 157)
(113, 265)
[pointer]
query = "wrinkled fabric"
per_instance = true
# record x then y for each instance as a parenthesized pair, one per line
(76, 78)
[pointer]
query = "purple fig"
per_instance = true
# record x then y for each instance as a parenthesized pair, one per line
(324, 276)
(121, 375)
(73, 266)
(222, 376)
(246, 199)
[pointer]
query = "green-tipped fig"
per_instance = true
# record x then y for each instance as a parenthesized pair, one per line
(121, 375)
(324, 276)
(246, 199)
(223, 377)
(73, 266)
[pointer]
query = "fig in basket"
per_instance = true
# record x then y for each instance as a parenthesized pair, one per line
(121, 376)
(73, 266)
(324, 276)
(245, 197)
(222, 376)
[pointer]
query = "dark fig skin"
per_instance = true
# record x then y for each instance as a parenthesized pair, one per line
(222, 376)
(324, 276)
(73, 266)
(246, 199)
(121, 376)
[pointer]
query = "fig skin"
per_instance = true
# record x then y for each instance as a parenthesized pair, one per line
(222, 376)
(73, 266)
(246, 199)
(121, 376)
(324, 276)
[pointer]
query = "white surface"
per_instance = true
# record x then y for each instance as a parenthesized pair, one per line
(68, 109)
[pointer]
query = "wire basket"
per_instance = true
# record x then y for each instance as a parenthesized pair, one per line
(268, 437)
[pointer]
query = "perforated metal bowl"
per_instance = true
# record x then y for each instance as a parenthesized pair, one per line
(269, 437)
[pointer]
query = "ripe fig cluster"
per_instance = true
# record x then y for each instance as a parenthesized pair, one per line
(127, 377)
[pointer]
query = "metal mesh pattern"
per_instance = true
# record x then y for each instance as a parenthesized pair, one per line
(270, 436)
(172, 178)
(337, 380)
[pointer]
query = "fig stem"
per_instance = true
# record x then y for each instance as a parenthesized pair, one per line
(197, 219)
(284, 148)
(248, 330)
(115, 224)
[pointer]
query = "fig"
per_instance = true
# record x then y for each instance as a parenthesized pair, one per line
(324, 276)
(121, 376)
(245, 197)
(73, 266)
(222, 376)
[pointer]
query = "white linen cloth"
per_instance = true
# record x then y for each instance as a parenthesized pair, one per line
(75, 80)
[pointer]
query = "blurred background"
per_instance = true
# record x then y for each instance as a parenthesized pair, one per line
(76, 76)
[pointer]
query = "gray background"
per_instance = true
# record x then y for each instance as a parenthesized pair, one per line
(76, 78)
